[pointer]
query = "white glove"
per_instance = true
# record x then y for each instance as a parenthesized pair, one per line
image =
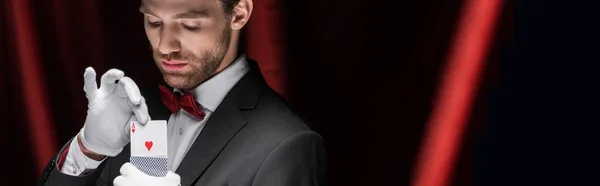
(131, 176)
(109, 110)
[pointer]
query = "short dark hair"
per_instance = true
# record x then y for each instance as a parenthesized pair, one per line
(229, 5)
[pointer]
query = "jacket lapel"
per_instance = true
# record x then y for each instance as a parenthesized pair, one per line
(222, 125)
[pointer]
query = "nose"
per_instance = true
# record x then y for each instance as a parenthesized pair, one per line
(169, 42)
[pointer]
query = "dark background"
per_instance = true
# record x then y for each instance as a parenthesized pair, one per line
(363, 72)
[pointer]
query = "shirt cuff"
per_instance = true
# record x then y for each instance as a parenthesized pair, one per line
(76, 162)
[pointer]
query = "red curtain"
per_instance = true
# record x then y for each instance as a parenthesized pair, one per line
(457, 92)
(265, 42)
(44, 49)
(32, 87)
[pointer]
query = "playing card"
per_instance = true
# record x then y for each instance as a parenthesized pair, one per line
(149, 147)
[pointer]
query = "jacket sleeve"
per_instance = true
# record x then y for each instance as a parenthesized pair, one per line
(299, 160)
(51, 176)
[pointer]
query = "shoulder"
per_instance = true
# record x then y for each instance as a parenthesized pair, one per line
(274, 116)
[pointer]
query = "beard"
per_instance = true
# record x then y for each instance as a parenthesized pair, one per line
(201, 68)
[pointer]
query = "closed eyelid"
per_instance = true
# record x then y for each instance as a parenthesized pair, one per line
(152, 19)
(192, 21)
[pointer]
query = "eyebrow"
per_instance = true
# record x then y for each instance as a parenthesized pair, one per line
(145, 10)
(190, 14)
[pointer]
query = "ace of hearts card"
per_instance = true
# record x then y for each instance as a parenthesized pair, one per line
(149, 147)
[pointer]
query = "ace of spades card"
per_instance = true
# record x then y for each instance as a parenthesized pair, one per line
(149, 147)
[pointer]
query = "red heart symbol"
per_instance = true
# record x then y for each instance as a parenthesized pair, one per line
(133, 127)
(148, 145)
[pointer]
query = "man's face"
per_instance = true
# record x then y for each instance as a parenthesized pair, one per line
(189, 38)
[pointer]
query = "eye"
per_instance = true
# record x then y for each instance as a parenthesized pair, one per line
(191, 27)
(154, 24)
(190, 24)
(152, 21)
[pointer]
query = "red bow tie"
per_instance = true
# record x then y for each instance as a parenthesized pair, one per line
(185, 102)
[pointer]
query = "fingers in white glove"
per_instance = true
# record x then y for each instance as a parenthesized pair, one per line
(135, 100)
(174, 177)
(131, 176)
(121, 181)
(127, 127)
(90, 87)
(109, 78)
(127, 169)
(131, 90)
(141, 111)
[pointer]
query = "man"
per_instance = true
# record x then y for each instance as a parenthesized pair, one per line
(225, 126)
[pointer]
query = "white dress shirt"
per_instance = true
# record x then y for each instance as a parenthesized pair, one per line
(182, 127)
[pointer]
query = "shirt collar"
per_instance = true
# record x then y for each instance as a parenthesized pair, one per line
(210, 93)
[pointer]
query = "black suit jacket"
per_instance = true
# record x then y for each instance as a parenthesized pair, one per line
(252, 138)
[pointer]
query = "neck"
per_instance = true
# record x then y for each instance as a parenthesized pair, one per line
(231, 54)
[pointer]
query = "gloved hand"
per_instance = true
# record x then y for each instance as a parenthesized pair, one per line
(131, 176)
(110, 108)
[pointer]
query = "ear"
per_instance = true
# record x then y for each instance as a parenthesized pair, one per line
(241, 14)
